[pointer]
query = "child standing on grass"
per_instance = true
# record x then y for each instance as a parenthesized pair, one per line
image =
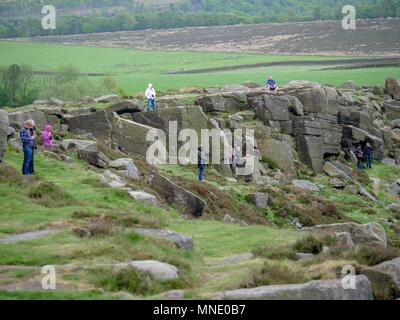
(48, 137)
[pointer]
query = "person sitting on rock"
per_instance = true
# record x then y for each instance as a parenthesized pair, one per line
(151, 97)
(28, 144)
(271, 84)
(368, 151)
(47, 137)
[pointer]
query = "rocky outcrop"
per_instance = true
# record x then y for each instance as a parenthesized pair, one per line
(42, 117)
(392, 87)
(181, 241)
(392, 109)
(356, 135)
(4, 125)
(126, 106)
(365, 234)
(111, 98)
(314, 290)
(143, 197)
(391, 268)
(188, 203)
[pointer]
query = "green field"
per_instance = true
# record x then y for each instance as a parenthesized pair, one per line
(133, 69)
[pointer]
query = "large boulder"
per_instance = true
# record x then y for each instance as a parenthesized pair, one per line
(126, 106)
(112, 180)
(94, 158)
(305, 185)
(392, 87)
(314, 290)
(269, 107)
(259, 199)
(181, 241)
(392, 109)
(279, 149)
(217, 102)
(311, 151)
(158, 270)
(143, 197)
(3, 132)
(111, 98)
(366, 234)
(41, 119)
(126, 168)
(75, 144)
(331, 170)
(188, 203)
(391, 268)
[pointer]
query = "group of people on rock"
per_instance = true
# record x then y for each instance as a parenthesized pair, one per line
(29, 137)
(364, 154)
(150, 93)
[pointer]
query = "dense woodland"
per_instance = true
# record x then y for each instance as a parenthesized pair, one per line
(22, 18)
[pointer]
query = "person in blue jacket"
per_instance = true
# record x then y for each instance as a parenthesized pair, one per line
(271, 84)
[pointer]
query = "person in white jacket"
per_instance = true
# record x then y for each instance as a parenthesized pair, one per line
(151, 97)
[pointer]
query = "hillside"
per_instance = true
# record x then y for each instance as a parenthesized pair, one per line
(21, 18)
(116, 227)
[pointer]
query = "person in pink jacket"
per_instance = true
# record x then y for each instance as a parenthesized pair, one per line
(47, 137)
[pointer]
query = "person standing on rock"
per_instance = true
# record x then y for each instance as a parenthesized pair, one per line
(368, 151)
(201, 162)
(33, 134)
(151, 97)
(271, 84)
(28, 144)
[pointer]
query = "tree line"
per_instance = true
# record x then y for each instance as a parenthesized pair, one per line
(22, 18)
(20, 85)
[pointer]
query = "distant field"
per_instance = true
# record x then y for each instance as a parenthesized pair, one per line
(133, 69)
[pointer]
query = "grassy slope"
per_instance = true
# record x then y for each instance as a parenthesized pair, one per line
(213, 240)
(134, 69)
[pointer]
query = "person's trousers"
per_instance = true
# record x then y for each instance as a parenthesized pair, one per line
(151, 103)
(32, 163)
(28, 160)
(201, 173)
(369, 161)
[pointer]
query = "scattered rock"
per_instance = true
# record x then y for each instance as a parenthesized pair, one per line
(259, 199)
(158, 270)
(26, 236)
(364, 192)
(394, 207)
(367, 234)
(181, 241)
(337, 183)
(334, 172)
(144, 197)
(126, 167)
(94, 158)
(74, 144)
(389, 162)
(394, 188)
(112, 180)
(352, 189)
(173, 295)
(16, 144)
(53, 155)
(82, 232)
(236, 259)
(314, 290)
(306, 185)
(112, 98)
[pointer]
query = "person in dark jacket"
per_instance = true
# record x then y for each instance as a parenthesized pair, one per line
(33, 134)
(28, 144)
(368, 152)
(359, 155)
(201, 163)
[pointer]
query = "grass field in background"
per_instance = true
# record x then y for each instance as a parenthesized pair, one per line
(133, 69)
